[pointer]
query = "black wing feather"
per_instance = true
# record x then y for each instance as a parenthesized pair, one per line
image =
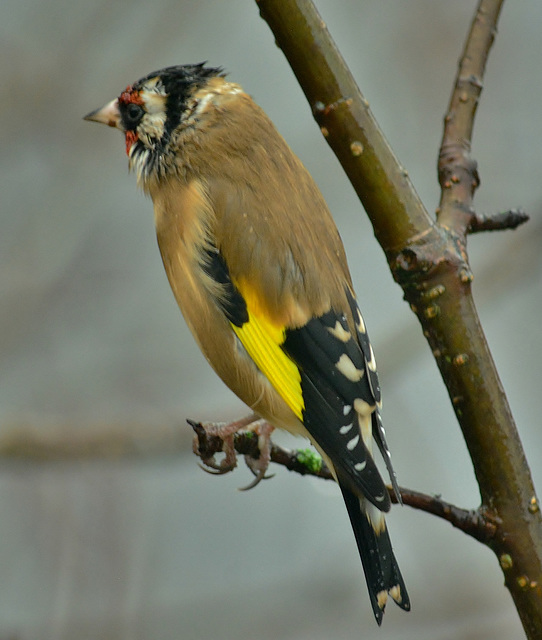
(230, 301)
(378, 429)
(379, 564)
(329, 398)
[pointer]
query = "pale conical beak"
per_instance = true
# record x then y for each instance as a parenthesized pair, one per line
(109, 115)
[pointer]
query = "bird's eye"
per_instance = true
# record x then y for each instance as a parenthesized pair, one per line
(132, 115)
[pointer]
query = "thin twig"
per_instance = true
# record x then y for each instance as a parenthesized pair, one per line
(474, 523)
(477, 523)
(303, 461)
(497, 221)
(457, 170)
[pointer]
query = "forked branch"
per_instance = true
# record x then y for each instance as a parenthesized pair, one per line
(429, 260)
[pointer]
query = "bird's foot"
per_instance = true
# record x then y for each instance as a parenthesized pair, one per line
(259, 465)
(226, 431)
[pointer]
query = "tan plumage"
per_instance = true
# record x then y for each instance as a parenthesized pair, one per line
(258, 269)
(210, 201)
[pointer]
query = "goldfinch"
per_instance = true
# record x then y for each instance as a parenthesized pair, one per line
(259, 271)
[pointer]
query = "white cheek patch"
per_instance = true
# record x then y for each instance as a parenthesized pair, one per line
(153, 129)
(155, 119)
(154, 102)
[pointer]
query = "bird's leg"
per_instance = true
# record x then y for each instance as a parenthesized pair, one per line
(258, 466)
(226, 432)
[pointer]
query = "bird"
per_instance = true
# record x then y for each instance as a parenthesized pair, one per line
(259, 271)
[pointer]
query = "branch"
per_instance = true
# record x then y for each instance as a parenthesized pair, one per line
(303, 461)
(347, 123)
(475, 523)
(430, 263)
(457, 170)
(479, 523)
(502, 220)
(499, 461)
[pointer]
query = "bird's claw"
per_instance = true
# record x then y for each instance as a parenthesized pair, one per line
(210, 466)
(260, 475)
(259, 465)
(226, 432)
(208, 463)
(227, 464)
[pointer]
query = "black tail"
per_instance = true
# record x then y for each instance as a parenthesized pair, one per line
(381, 569)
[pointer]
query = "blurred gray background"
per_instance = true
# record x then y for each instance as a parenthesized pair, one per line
(150, 547)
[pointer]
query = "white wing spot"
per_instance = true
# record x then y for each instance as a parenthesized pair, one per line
(339, 332)
(352, 443)
(360, 466)
(382, 598)
(362, 407)
(395, 593)
(360, 323)
(344, 430)
(346, 409)
(348, 369)
(372, 362)
(366, 429)
(375, 518)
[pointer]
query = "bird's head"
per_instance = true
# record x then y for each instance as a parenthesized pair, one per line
(153, 112)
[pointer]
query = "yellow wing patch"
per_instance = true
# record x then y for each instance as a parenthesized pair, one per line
(263, 341)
